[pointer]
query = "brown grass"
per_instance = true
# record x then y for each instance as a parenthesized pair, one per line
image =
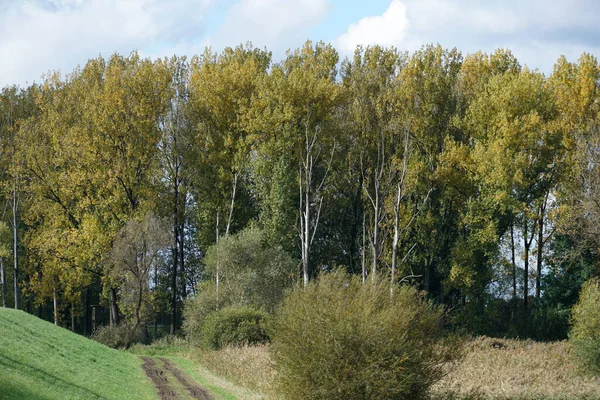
(248, 366)
(491, 369)
(516, 369)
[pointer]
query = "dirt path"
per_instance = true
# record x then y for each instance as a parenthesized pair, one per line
(167, 389)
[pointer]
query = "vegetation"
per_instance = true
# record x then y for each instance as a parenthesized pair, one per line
(470, 176)
(491, 369)
(494, 369)
(234, 326)
(250, 274)
(585, 332)
(117, 336)
(42, 361)
(339, 339)
(172, 192)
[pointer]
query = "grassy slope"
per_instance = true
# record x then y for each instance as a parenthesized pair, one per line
(41, 361)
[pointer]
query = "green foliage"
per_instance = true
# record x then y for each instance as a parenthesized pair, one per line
(118, 336)
(5, 240)
(585, 331)
(234, 326)
(197, 308)
(251, 273)
(135, 253)
(229, 140)
(338, 338)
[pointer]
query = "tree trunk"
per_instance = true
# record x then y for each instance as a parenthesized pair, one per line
(156, 288)
(306, 250)
(72, 316)
(3, 281)
(15, 247)
(305, 189)
(55, 304)
(514, 264)
(540, 253)
(217, 266)
(375, 239)
(175, 253)
(363, 251)
(86, 314)
(399, 196)
(395, 245)
(526, 271)
(230, 217)
(182, 256)
(114, 307)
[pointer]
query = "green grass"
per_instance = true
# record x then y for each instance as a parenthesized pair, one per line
(190, 360)
(41, 361)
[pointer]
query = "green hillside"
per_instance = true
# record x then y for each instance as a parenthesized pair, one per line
(41, 361)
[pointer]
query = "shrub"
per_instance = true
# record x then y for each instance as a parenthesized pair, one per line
(585, 330)
(340, 339)
(234, 326)
(118, 336)
(251, 273)
(197, 308)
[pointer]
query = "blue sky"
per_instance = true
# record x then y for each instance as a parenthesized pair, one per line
(41, 35)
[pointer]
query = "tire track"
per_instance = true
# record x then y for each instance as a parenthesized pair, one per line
(159, 378)
(193, 389)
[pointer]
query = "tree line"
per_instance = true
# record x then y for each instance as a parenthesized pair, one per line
(470, 176)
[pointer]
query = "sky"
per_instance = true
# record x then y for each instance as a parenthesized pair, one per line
(38, 36)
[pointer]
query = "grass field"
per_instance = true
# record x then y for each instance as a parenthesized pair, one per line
(41, 361)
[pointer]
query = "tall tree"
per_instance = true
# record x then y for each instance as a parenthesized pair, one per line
(296, 105)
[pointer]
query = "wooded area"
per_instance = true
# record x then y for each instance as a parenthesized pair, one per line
(471, 177)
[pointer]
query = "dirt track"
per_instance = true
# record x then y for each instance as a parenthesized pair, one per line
(166, 389)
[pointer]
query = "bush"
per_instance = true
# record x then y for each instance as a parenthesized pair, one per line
(118, 337)
(340, 339)
(251, 273)
(197, 308)
(585, 331)
(234, 326)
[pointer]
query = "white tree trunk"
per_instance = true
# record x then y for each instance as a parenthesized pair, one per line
(55, 303)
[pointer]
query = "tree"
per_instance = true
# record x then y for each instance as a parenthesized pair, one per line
(15, 107)
(173, 154)
(255, 273)
(295, 107)
(370, 81)
(221, 89)
(516, 154)
(132, 258)
(4, 252)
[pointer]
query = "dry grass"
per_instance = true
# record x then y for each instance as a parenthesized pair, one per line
(248, 366)
(516, 369)
(491, 369)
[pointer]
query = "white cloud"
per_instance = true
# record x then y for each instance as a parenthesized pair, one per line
(538, 31)
(41, 35)
(276, 24)
(388, 29)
